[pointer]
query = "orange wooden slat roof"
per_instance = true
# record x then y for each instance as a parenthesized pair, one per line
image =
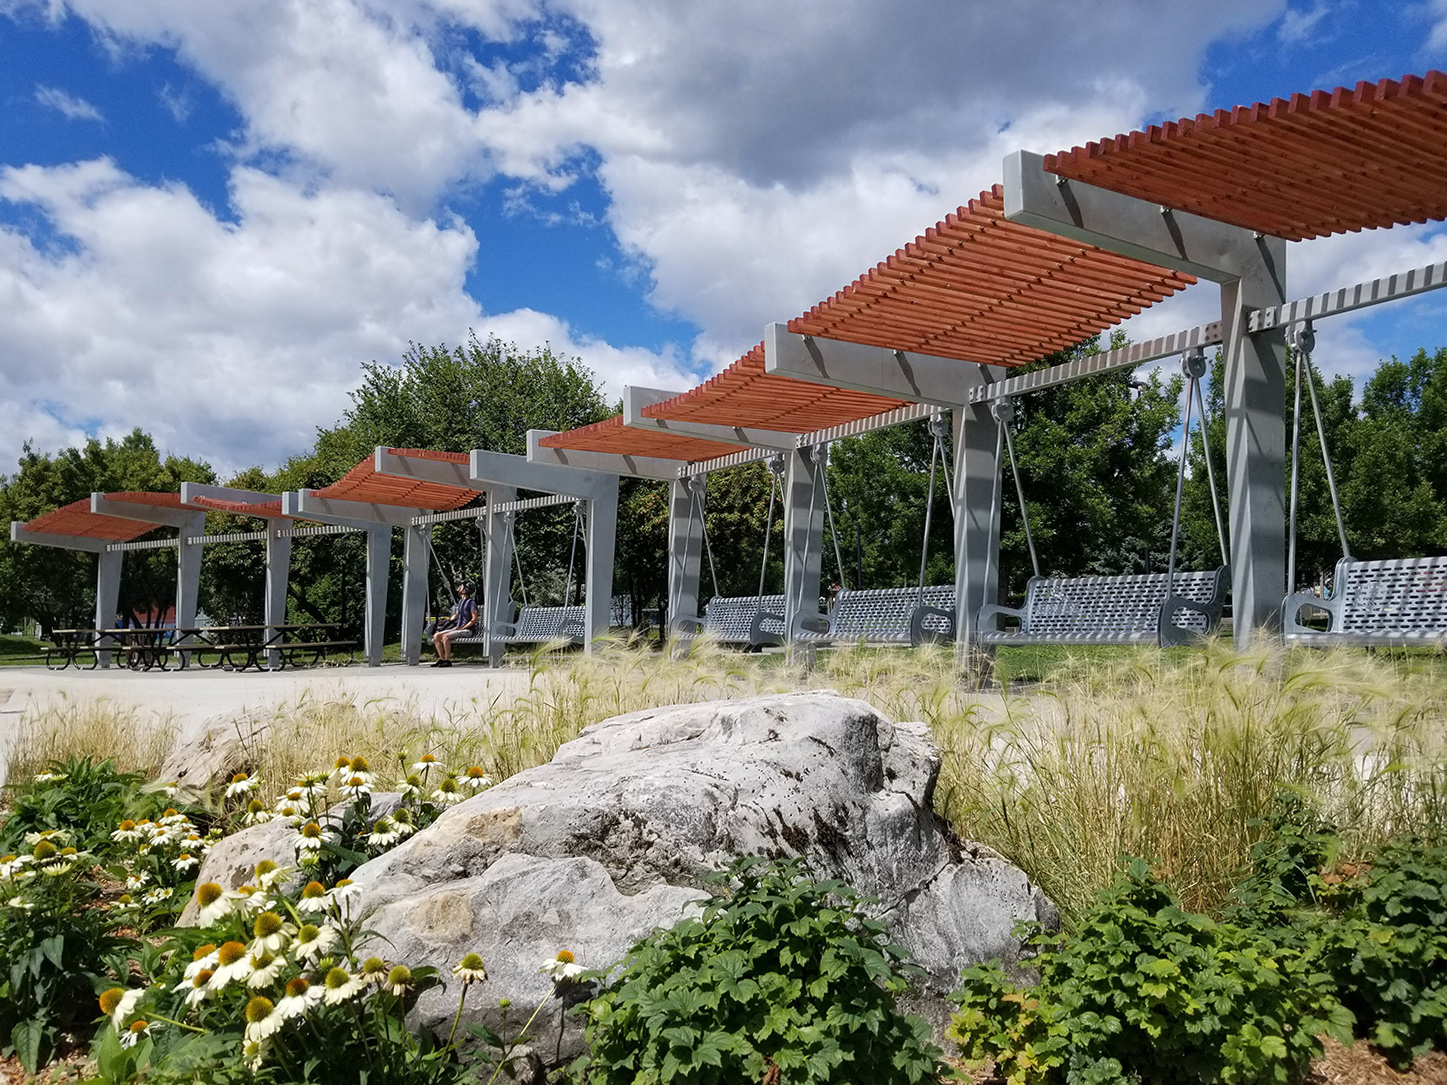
(269, 510)
(1301, 167)
(983, 289)
(744, 395)
(363, 483)
(77, 519)
(611, 435)
(161, 501)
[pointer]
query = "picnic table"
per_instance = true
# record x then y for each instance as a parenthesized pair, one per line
(262, 647)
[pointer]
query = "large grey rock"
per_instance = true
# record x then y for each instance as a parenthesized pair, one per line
(208, 752)
(613, 837)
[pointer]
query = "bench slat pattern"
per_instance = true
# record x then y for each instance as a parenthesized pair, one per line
(538, 625)
(882, 615)
(1111, 609)
(1377, 603)
(729, 618)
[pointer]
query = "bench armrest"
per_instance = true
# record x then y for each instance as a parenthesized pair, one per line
(760, 636)
(686, 625)
(918, 634)
(1293, 605)
(504, 629)
(988, 618)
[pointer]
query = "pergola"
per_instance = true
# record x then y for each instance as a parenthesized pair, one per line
(1069, 245)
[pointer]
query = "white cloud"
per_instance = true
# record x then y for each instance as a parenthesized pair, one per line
(1437, 39)
(1298, 25)
(67, 105)
(230, 342)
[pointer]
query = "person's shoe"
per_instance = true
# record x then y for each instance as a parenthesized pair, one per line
(440, 663)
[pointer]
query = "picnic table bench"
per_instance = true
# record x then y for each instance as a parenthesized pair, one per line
(1144, 608)
(1391, 604)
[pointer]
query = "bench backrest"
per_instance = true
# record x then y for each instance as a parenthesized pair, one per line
(1386, 596)
(861, 612)
(540, 624)
(1113, 604)
(729, 617)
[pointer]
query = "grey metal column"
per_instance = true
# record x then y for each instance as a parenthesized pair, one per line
(602, 539)
(278, 574)
(803, 534)
(685, 553)
(107, 594)
(497, 572)
(1255, 390)
(977, 527)
(379, 551)
(414, 590)
(188, 575)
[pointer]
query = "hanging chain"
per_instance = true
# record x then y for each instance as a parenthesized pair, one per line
(1004, 412)
(1307, 339)
(1193, 365)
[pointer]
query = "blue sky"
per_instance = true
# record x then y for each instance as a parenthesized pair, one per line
(212, 214)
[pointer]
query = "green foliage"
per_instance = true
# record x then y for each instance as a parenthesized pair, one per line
(1145, 991)
(781, 978)
(84, 798)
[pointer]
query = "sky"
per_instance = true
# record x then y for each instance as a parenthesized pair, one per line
(213, 214)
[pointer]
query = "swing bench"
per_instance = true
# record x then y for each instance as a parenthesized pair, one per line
(532, 624)
(1170, 609)
(1399, 603)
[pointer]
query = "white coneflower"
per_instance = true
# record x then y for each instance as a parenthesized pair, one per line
(446, 793)
(562, 967)
(137, 1032)
(127, 832)
(126, 903)
(256, 813)
(313, 785)
(269, 933)
(185, 862)
(340, 986)
(62, 862)
(119, 1004)
(250, 900)
(20, 904)
(402, 822)
(200, 987)
(203, 959)
(398, 981)
(313, 898)
(299, 997)
(174, 817)
(265, 970)
(340, 767)
(411, 787)
(214, 903)
(262, 1020)
(233, 963)
(344, 892)
(427, 764)
(313, 941)
(476, 779)
(311, 837)
(241, 784)
(169, 790)
(269, 873)
(11, 865)
(470, 969)
(159, 895)
(48, 777)
(290, 813)
(384, 834)
(374, 970)
(356, 787)
(359, 767)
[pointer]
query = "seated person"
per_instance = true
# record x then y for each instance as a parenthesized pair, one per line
(462, 623)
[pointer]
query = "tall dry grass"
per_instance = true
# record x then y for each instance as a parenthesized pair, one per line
(99, 728)
(1175, 757)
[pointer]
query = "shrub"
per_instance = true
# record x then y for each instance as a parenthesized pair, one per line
(1148, 992)
(781, 979)
(80, 796)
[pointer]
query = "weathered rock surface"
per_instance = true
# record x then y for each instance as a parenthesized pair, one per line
(209, 752)
(612, 837)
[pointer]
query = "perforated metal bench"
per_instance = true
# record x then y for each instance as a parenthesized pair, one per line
(1137, 609)
(747, 620)
(1387, 604)
(540, 625)
(884, 616)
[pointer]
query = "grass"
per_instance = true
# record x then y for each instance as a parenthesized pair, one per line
(16, 651)
(1084, 757)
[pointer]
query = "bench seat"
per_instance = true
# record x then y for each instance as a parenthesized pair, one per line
(748, 620)
(541, 625)
(883, 616)
(1136, 609)
(1375, 604)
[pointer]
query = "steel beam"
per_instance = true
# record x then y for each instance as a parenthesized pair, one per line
(1345, 299)
(602, 537)
(804, 512)
(636, 399)
(414, 591)
(386, 462)
(190, 524)
(899, 374)
(1126, 357)
(379, 554)
(18, 533)
(1177, 240)
(685, 554)
(546, 474)
(192, 490)
(278, 573)
(608, 463)
(496, 602)
(107, 598)
(976, 517)
(367, 515)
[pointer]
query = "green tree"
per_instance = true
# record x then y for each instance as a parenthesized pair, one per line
(57, 587)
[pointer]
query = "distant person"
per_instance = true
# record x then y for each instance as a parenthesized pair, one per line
(461, 623)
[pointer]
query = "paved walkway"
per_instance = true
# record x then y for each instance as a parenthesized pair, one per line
(182, 697)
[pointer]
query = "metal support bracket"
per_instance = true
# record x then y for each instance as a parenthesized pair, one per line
(637, 400)
(608, 463)
(899, 374)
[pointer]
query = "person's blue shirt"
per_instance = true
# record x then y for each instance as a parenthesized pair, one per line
(464, 613)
